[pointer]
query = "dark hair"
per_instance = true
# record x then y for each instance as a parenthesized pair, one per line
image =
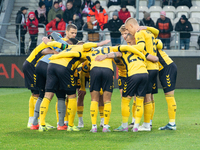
(41, 4)
(73, 40)
(56, 2)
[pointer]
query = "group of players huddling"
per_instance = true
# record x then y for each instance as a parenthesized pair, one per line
(64, 65)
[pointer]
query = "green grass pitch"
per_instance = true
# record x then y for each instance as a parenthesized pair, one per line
(15, 135)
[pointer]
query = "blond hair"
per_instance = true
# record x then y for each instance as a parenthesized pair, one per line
(131, 20)
(122, 28)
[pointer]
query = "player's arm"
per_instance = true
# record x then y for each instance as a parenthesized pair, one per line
(152, 58)
(69, 54)
(89, 45)
(159, 44)
(131, 49)
(48, 51)
(152, 29)
(51, 43)
(109, 55)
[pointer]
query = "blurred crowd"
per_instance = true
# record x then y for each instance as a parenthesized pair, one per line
(58, 14)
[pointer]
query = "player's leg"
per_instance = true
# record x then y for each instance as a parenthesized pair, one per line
(50, 88)
(140, 93)
(94, 109)
(80, 108)
(101, 108)
(133, 113)
(30, 78)
(95, 86)
(154, 91)
(66, 114)
(167, 78)
(148, 108)
(128, 92)
(61, 109)
(35, 124)
(107, 85)
(107, 110)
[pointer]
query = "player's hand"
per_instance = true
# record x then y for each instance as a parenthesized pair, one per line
(46, 40)
(53, 57)
(141, 28)
(103, 43)
(81, 93)
(55, 52)
(100, 57)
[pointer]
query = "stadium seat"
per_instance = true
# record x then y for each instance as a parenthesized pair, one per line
(157, 3)
(170, 11)
(195, 3)
(194, 12)
(182, 10)
(195, 23)
(143, 3)
(132, 10)
(141, 10)
(193, 41)
(114, 7)
(103, 3)
(175, 21)
(154, 19)
(155, 11)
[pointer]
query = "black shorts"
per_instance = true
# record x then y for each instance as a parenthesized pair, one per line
(135, 85)
(60, 78)
(167, 77)
(41, 74)
(152, 80)
(30, 77)
(101, 78)
(121, 81)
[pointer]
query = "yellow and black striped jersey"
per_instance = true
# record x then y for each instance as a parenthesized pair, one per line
(164, 59)
(107, 63)
(72, 62)
(36, 54)
(86, 68)
(134, 64)
(121, 66)
(149, 46)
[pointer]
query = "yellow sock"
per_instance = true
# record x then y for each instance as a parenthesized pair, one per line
(66, 114)
(107, 112)
(171, 107)
(56, 108)
(80, 111)
(72, 107)
(133, 108)
(125, 109)
(101, 109)
(43, 110)
(31, 106)
(153, 109)
(94, 111)
(139, 109)
(147, 111)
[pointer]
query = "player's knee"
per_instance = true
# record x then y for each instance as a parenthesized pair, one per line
(41, 94)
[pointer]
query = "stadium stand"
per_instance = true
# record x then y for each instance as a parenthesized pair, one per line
(155, 11)
(170, 11)
(194, 12)
(182, 10)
